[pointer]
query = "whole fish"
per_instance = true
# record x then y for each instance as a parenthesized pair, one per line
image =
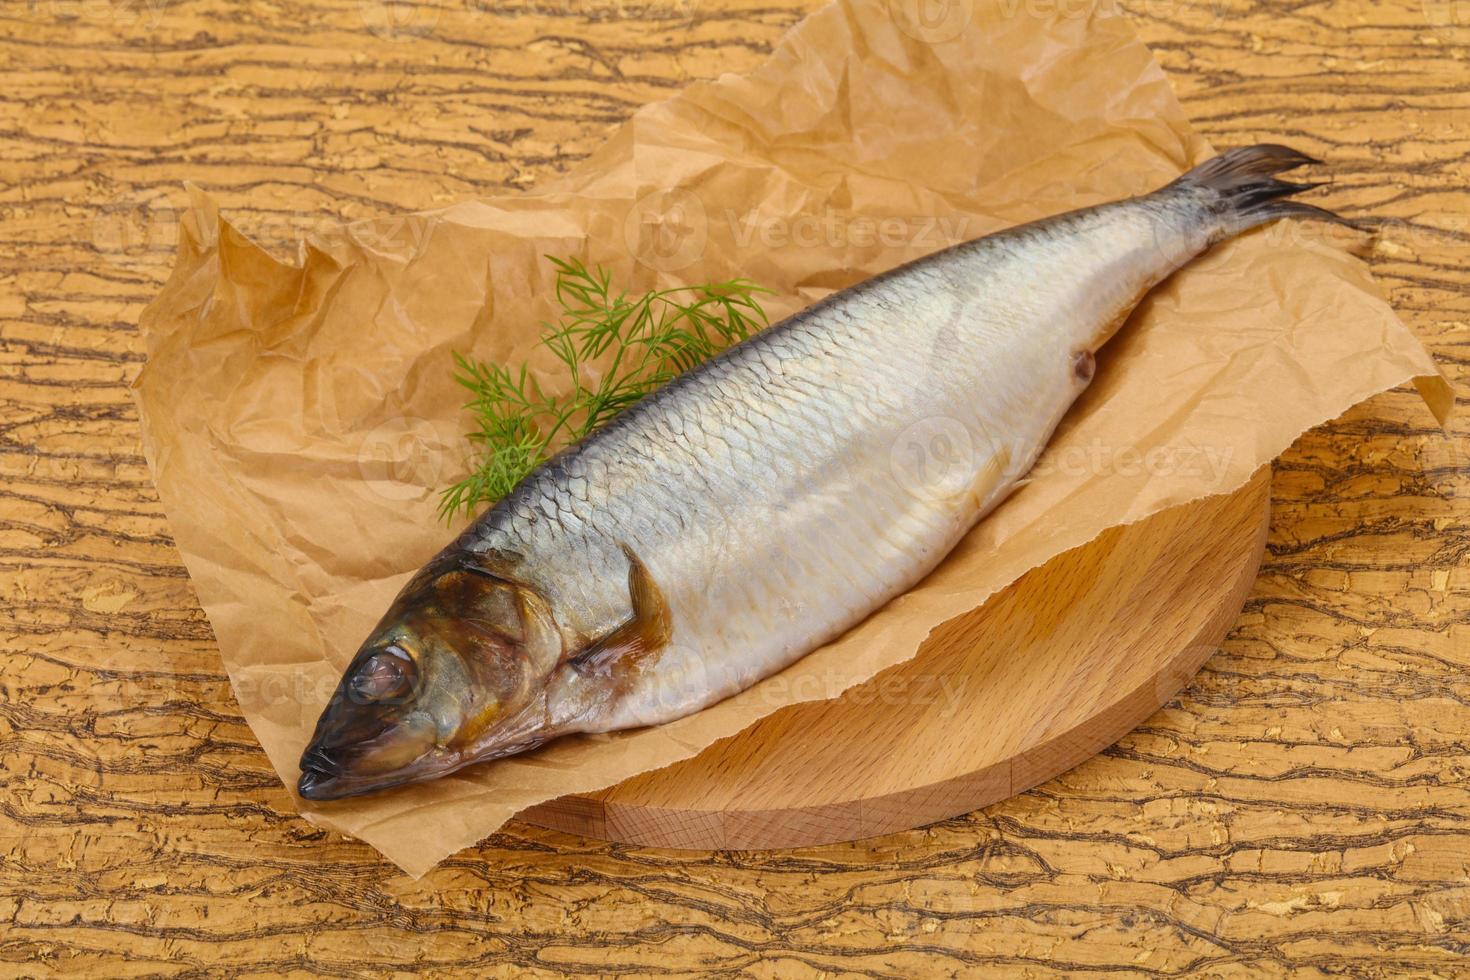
(768, 500)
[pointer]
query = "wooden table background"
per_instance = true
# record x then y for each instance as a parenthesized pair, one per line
(1303, 806)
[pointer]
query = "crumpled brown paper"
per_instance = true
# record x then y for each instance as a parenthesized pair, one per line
(300, 419)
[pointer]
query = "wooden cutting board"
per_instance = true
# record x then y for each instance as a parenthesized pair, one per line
(1050, 671)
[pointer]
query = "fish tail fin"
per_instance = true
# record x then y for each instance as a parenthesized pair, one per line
(1242, 192)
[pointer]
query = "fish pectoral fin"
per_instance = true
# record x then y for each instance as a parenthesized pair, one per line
(642, 634)
(989, 477)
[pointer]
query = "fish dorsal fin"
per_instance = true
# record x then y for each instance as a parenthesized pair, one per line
(643, 633)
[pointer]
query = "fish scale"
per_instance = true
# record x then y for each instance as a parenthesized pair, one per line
(838, 386)
(767, 501)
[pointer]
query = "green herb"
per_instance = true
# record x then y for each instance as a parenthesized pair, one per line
(637, 344)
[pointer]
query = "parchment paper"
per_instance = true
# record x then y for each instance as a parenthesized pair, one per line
(300, 418)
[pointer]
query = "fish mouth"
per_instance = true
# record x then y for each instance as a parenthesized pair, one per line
(318, 784)
(321, 776)
(324, 778)
(323, 784)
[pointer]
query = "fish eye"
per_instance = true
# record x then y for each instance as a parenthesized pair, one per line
(384, 675)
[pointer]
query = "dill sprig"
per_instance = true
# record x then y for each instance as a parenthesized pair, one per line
(616, 350)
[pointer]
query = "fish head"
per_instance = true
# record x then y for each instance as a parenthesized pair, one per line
(454, 672)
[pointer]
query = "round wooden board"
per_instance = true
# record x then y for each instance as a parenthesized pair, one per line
(1049, 672)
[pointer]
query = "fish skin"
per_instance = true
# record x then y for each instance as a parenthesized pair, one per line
(760, 489)
(780, 493)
